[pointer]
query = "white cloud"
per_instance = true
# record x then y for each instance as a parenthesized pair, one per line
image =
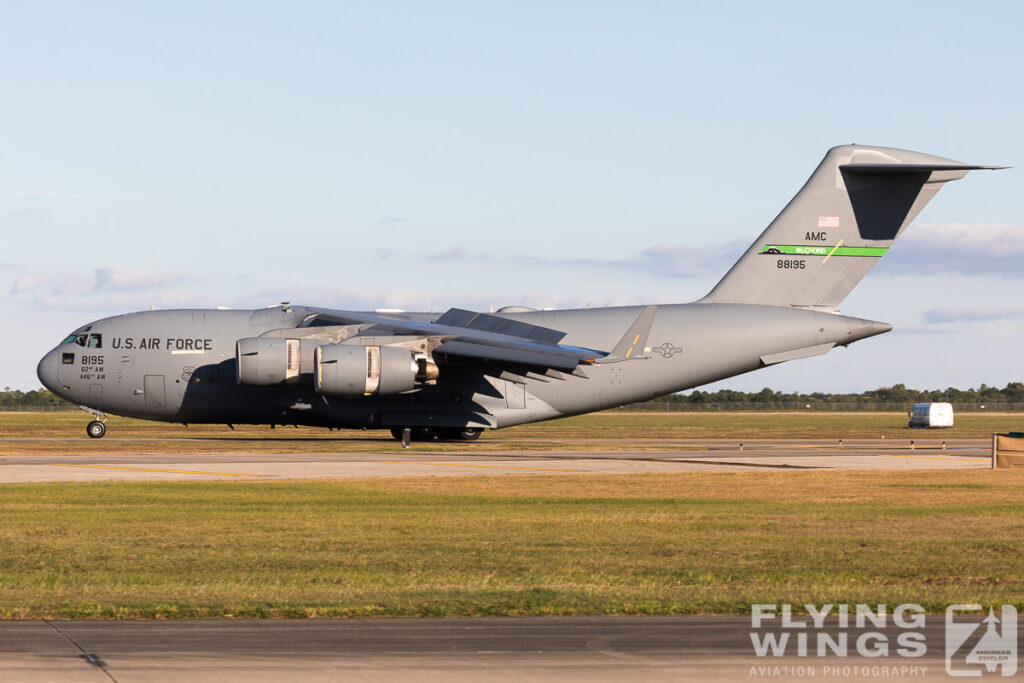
(34, 281)
(107, 288)
(124, 278)
(979, 249)
(453, 254)
(672, 260)
(684, 261)
(922, 330)
(972, 314)
(120, 302)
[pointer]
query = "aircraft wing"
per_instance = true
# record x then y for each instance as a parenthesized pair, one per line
(475, 336)
(519, 353)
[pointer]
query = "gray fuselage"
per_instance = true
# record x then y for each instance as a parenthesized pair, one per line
(180, 366)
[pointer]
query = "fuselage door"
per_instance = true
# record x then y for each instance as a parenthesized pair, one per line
(153, 386)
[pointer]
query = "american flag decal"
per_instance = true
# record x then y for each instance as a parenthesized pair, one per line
(828, 221)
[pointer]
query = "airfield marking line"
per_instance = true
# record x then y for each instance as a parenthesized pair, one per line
(749, 463)
(148, 469)
(932, 457)
(776, 446)
(458, 464)
(835, 447)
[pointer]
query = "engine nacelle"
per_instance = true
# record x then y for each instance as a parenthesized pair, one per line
(351, 370)
(264, 361)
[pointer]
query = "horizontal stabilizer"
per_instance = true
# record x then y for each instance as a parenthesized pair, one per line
(915, 168)
(806, 352)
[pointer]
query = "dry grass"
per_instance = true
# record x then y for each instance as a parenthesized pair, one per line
(590, 544)
(921, 488)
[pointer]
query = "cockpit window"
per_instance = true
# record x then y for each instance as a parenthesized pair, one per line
(91, 341)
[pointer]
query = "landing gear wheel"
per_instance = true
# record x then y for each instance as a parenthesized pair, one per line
(96, 429)
(424, 433)
(415, 434)
(464, 433)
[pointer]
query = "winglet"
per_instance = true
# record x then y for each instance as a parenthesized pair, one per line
(632, 344)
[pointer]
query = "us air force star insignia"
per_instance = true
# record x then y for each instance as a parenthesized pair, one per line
(668, 350)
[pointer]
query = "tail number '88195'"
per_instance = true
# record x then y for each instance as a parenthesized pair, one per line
(792, 263)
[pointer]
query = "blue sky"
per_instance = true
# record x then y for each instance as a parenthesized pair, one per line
(428, 155)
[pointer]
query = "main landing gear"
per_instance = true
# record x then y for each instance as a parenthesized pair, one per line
(431, 433)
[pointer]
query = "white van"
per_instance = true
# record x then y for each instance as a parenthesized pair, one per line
(931, 415)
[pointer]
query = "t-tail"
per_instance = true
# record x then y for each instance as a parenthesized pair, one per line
(847, 215)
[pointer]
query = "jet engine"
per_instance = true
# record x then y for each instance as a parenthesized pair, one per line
(355, 370)
(263, 361)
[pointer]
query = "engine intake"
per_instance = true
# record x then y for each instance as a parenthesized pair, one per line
(350, 370)
(264, 361)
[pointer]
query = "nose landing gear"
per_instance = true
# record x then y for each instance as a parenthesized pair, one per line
(96, 429)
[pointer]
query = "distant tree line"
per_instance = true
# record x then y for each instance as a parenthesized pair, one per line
(896, 397)
(38, 399)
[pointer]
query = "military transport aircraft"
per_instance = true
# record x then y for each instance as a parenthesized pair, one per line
(425, 375)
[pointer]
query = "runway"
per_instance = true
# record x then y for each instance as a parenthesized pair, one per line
(669, 648)
(461, 460)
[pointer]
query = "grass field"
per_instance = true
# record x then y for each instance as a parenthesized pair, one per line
(595, 544)
(510, 545)
(35, 432)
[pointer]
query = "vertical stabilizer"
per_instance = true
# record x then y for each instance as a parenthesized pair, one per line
(847, 215)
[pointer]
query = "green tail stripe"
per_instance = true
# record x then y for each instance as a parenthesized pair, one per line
(821, 250)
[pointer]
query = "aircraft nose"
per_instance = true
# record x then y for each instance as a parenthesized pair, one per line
(47, 370)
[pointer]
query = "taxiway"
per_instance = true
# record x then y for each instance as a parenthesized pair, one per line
(594, 457)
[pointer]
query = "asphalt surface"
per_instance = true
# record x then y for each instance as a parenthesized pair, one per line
(658, 456)
(674, 648)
